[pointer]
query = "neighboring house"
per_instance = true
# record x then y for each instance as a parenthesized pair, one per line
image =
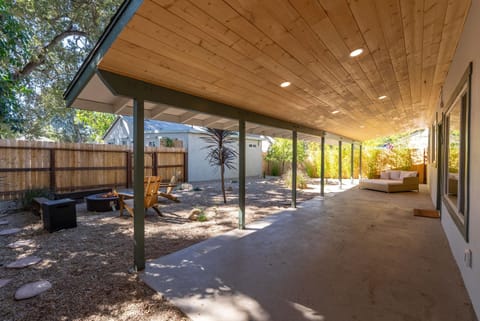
(121, 133)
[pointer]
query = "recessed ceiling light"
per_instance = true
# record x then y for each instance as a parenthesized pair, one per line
(382, 97)
(335, 111)
(356, 52)
(361, 126)
(285, 84)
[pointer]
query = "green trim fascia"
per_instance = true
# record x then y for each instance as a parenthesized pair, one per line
(129, 87)
(123, 15)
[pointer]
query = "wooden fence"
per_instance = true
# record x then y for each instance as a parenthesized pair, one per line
(69, 167)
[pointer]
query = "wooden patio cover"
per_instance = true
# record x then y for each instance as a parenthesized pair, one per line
(215, 62)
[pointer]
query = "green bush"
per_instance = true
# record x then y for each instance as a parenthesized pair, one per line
(275, 171)
(302, 179)
(31, 194)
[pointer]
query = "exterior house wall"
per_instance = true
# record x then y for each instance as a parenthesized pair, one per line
(200, 170)
(468, 50)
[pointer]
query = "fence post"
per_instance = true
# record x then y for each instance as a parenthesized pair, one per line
(52, 171)
(185, 167)
(154, 164)
(129, 169)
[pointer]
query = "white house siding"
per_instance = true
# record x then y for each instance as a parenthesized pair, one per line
(467, 51)
(200, 170)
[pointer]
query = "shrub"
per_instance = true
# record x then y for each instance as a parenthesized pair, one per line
(31, 194)
(302, 179)
(275, 171)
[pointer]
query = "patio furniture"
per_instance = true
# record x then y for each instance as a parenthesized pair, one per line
(392, 181)
(102, 202)
(150, 200)
(170, 186)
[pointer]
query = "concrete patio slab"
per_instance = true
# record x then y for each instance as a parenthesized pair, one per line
(361, 255)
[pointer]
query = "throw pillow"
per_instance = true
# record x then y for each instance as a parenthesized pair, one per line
(404, 174)
(395, 175)
(384, 175)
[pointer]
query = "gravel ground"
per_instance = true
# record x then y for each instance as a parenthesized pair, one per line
(88, 265)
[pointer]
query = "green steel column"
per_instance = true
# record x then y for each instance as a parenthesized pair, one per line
(138, 188)
(322, 169)
(294, 169)
(340, 162)
(241, 174)
(351, 164)
(360, 165)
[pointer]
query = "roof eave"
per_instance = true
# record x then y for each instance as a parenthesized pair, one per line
(123, 15)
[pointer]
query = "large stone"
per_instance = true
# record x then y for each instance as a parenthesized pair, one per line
(10, 231)
(30, 290)
(4, 282)
(26, 261)
(3, 222)
(21, 243)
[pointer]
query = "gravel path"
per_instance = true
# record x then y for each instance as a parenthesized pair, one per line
(88, 265)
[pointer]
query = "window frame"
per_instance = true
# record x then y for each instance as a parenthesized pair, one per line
(459, 211)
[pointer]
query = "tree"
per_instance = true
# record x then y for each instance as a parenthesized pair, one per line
(282, 151)
(13, 52)
(220, 153)
(54, 38)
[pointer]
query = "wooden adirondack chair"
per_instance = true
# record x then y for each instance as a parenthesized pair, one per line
(170, 186)
(152, 184)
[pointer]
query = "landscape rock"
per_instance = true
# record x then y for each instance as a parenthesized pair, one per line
(10, 231)
(21, 243)
(3, 222)
(4, 282)
(21, 263)
(30, 290)
(194, 214)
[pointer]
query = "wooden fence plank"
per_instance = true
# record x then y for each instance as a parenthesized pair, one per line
(68, 167)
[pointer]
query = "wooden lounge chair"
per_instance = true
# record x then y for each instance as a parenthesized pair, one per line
(170, 186)
(152, 184)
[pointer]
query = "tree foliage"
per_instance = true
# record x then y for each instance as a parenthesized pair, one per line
(220, 152)
(282, 151)
(45, 43)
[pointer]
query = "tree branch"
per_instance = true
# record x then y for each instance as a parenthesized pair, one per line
(39, 59)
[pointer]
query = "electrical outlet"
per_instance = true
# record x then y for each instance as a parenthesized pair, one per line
(467, 257)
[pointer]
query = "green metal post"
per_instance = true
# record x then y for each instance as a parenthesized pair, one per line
(340, 162)
(138, 187)
(241, 174)
(360, 165)
(351, 164)
(322, 169)
(294, 169)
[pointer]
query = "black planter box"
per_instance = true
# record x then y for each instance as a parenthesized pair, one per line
(59, 214)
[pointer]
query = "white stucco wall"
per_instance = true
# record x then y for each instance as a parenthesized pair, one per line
(200, 170)
(467, 51)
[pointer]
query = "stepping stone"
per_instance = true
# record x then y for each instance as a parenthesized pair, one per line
(30, 290)
(10, 231)
(21, 243)
(3, 222)
(26, 261)
(4, 282)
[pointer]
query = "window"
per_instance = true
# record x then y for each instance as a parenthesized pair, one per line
(456, 146)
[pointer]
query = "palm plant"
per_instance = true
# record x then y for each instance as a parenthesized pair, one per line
(220, 153)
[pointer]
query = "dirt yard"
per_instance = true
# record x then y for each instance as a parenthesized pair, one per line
(87, 266)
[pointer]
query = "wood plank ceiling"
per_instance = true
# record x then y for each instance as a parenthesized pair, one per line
(239, 51)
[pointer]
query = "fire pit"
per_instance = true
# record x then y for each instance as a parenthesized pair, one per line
(102, 202)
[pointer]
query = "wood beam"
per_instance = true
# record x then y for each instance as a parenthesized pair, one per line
(129, 87)
(120, 105)
(186, 117)
(157, 111)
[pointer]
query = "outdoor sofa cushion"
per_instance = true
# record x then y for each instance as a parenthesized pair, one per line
(400, 181)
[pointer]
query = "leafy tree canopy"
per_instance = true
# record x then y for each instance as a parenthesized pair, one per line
(42, 44)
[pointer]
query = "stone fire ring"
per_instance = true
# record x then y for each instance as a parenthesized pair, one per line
(97, 203)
